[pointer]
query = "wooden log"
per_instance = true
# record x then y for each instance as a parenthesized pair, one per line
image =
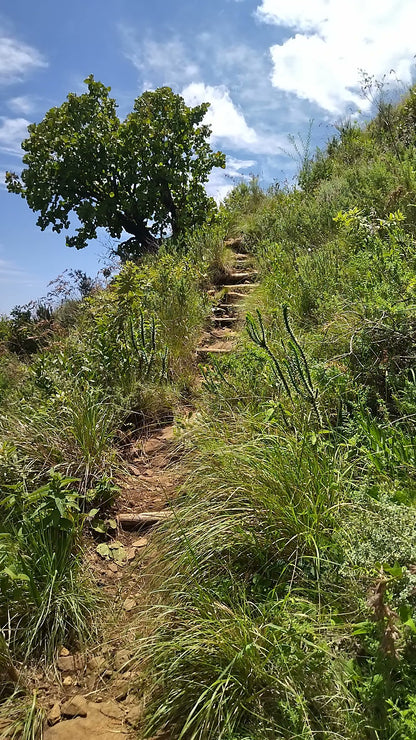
(144, 519)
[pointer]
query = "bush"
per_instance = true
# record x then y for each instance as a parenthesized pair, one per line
(46, 600)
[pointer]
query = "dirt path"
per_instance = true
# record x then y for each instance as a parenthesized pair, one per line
(94, 695)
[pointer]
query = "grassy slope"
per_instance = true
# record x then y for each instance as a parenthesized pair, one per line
(76, 386)
(284, 608)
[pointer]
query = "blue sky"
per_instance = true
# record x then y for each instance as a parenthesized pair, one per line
(267, 66)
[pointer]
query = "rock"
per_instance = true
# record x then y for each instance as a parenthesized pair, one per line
(75, 707)
(96, 664)
(168, 433)
(134, 716)
(54, 715)
(90, 682)
(152, 445)
(141, 542)
(120, 690)
(130, 553)
(97, 724)
(235, 243)
(111, 709)
(129, 604)
(121, 660)
(68, 681)
(70, 663)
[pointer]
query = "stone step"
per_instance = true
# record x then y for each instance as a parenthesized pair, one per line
(240, 286)
(241, 261)
(232, 297)
(237, 277)
(227, 307)
(224, 319)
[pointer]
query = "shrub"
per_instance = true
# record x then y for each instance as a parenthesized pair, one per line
(46, 601)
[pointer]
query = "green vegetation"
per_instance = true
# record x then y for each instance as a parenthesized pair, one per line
(82, 159)
(285, 600)
(281, 594)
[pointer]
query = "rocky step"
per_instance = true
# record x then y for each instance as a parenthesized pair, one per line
(219, 333)
(239, 277)
(226, 308)
(243, 265)
(242, 256)
(231, 297)
(240, 286)
(225, 320)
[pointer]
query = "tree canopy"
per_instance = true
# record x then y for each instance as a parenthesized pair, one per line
(143, 175)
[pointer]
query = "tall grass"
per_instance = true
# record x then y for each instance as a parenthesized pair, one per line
(246, 641)
(74, 433)
(251, 669)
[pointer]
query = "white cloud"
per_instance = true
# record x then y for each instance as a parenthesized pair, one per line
(12, 133)
(222, 181)
(165, 62)
(21, 104)
(17, 60)
(333, 41)
(228, 123)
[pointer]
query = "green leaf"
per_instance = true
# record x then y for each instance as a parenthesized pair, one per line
(103, 550)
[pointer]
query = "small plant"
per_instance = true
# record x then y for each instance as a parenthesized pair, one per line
(293, 372)
(45, 598)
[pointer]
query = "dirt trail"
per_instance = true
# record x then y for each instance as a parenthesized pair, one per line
(94, 695)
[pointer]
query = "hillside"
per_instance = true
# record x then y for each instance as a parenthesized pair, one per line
(253, 392)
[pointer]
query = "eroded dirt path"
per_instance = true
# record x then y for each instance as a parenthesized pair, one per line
(96, 695)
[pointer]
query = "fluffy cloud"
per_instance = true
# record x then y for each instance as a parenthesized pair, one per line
(333, 41)
(228, 123)
(17, 59)
(12, 133)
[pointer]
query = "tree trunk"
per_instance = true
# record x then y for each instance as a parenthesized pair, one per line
(147, 243)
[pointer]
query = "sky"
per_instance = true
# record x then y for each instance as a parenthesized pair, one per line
(271, 69)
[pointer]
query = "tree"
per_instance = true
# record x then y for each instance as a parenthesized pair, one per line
(144, 175)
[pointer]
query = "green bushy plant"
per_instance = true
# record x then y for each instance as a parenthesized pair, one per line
(46, 600)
